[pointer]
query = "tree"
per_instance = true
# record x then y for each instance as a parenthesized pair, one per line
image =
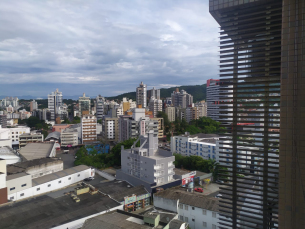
(76, 120)
(66, 121)
(32, 121)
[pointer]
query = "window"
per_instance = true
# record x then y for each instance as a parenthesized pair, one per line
(59, 182)
(186, 207)
(213, 226)
(11, 198)
(204, 212)
(214, 214)
(186, 219)
(12, 188)
(204, 224)
(181, 218)
(193, 220)
(181, 206)
(193, 208)
(23, 185)
(78, 175)
(69, 178)
(37, 189)
(49, 185)
(22, 194)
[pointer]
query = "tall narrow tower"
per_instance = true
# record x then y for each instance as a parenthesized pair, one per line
(141, 95)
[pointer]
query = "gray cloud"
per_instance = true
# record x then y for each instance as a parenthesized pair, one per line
(102, 43)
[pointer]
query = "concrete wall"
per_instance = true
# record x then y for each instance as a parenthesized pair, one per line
(2, 180)
(120, 175)
(16, 185)
(104, 174)
(50, 186)
(167, 204)
(45, 169)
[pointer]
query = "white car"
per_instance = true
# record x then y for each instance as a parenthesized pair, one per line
(218, 195)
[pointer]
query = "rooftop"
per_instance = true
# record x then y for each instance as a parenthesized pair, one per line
(181, 172)
(22, 166)
(200, 135)
(120, 189)
(59, 174)
(193, 199)
(54, 134)
(36, 150)
(15, 176)
(47, 212)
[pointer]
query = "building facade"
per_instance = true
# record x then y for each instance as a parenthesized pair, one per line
(54, 102)
(26, 138)
(212, 98)
(154, 92)
(155, 105)
(181, 99)
(69, 137)
(110, 128)
(99, 104)
(89, 124)
(33, 105)
(171, 113)
(141, 95)
(84, 105)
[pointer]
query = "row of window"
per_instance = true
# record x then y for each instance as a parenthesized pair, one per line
(204, 211)
(204, 224)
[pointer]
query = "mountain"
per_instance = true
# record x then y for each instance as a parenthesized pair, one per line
(197, 91)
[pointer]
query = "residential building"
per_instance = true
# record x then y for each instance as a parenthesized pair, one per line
(84, 105)
(180, 113)
(168, 101)
(24, 114)
(154, 93)
(141, 95)
(202, 145)
(181, 99)
(147, 164)
(171, 113)
(54, 102)
(128, 104)
(155, 105)
(3, 121)
(99, 104)
(26, 138)
(7, 101)
(160, 126)
(212, 98)
(15, 132)
(195, 209)
(10, 109)
(191, 113)
(3, 188)
(60, 127)
(202, 108)
(69, 137)
(89, 124)
(33, 105)
(262, 58)
(110, 128)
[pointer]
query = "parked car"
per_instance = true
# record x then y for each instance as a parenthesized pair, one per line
(198, 189)
(218, 195)
(219, 181)
(89, 179)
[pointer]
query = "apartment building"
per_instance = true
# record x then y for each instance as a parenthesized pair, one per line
(26, 138)
(84, 105)
(99, 104)
(155, 105)
(69, 137)
(89, 132)
(147, 164)
(110, 128)
(203, 145)
(33, 105)
(54, 102)
(141, 95)
(171, 113)
(181, 99)
(212, 97)
(154, 93)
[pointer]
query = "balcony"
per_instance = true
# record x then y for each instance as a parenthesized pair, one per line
(157, 167)
(157, 174)
(170, 165)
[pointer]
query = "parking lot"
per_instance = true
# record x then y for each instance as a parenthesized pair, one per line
(68, 159)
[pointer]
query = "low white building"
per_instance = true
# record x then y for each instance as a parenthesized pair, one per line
(203, 145)
(69, 137)
(196, 209)
(21, 185)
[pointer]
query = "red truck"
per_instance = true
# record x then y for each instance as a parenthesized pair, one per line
(198, 189)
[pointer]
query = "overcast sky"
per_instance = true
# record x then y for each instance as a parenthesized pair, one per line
(104, 47)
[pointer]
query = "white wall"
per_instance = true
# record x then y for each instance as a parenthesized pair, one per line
(54, 185)
(2, 180)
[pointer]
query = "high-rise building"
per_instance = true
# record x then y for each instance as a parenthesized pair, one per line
(212, 97)
(181, 99)
(141, 95)
(33, 105)
(155, 105)
(262, 58)
(84, 105)
(89, 128)
(3, 121)
(13, 101)
(54, 102)
(99, 103)
(110, 127)
(154, 92)
(171, 113)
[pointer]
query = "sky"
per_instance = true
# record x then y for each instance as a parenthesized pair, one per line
(105, 47)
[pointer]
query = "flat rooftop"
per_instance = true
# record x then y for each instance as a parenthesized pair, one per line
(59, 174)
(17, 175)
(22, 166)
(120, 189)
(36, 150)
(47, 212)
(181, 172)
(190, 198)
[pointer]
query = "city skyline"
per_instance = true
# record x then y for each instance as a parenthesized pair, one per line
(91, 46)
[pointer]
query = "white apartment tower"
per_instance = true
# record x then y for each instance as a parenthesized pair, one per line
(155, 93)
(89, 128)
(54, 102)
(181, 99)
(141, 95)
(171, 113)
(99, 103)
